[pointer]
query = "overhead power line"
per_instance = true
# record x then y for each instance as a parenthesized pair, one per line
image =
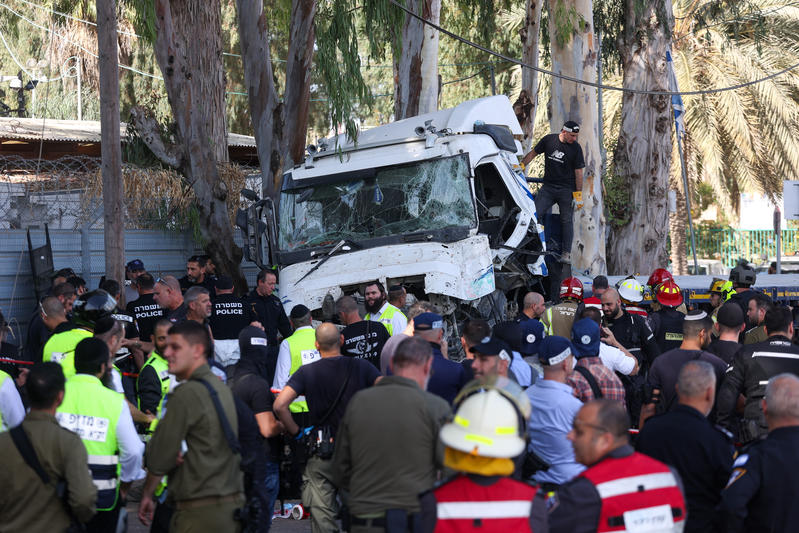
(585, 82)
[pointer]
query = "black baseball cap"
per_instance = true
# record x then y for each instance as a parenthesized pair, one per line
(135, 265)
(428, 321)
(299, 311)
(571, 126)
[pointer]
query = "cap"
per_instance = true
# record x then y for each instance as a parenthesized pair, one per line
(571, 126)
(135, 265)
(730, 315)
(252, 342)
(428, 321)
(532, 335)
(299, 311)
(554, 350)
(511, 333)
(493, 346)
(395, 287)
(585, 338)
(224, 283)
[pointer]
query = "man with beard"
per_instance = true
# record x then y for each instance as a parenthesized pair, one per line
(196, 275)
(379, 310)
(665, 371)
(198, 302)
(632, 332)
(101, 418)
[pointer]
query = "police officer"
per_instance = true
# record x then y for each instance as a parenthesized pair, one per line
(666, 322)
(686, 440)
(751, 368)
(620, 489)
(26, 502)
(196, 274)
(86, 311)
(447, 377)
(379, 310)
(558, 319)
(759, 496)
(270, 313)
(480, 444)
(144, 310)
(100, 416)
(297, 350)
(229, 315)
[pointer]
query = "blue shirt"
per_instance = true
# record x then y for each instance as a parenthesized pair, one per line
(553, 410)
(521, 370)
(448, 377)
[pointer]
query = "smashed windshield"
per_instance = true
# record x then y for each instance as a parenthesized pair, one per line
(387, 201)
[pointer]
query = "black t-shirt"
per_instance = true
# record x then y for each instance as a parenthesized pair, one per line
(254, 391)
(179, 314)
(321, 381)
(562, 159)
(365, 340)
(725, 350)
(146, 313)
(207, 283)
(229, 315)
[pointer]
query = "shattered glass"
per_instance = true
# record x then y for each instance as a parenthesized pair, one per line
(396, 200)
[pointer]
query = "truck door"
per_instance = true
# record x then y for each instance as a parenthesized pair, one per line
(495, 206)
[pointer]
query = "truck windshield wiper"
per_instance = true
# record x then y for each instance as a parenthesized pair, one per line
(341, 245)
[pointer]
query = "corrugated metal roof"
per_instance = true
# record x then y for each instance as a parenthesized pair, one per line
(34, 129)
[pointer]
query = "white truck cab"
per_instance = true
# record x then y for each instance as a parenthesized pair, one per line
(436, 202)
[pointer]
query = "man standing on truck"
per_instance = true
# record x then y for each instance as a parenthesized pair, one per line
(563, 179)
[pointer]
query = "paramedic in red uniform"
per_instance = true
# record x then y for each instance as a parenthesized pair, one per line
(621, 490)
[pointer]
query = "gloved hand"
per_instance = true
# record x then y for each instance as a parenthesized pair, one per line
(577, 202)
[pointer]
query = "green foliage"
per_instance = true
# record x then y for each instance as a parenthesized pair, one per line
(339, 64)
(567, 21)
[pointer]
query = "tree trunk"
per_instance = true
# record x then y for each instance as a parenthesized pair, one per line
(298, 77)
(428, 99)
(678, 225)
(571, 101)
(265, 106)
(408, 73)
(188, 51)
(530, 34)
(642, 160)
(111, 148)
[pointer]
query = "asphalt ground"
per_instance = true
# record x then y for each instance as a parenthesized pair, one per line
(279, 525)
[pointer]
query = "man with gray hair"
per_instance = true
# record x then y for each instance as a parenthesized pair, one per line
(760, 495)
(386, 456)
(686, 440)
(198, 301)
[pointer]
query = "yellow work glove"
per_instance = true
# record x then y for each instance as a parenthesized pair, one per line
(578, 199)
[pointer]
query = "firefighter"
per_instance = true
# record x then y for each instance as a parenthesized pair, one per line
(656, 279)
(558, 319)
(720, 291)
(631, 293)
(487, 433)
(621, 490)
(666, 322)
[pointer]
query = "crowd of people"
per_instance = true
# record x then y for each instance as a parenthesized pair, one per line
(595, 413)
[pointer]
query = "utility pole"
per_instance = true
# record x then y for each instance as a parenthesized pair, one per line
(111, 148)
